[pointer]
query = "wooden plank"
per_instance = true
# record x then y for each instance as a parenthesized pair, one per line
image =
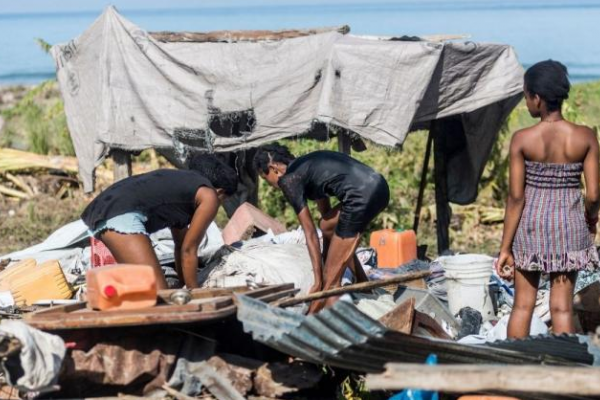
(344, 142)
(122, 164)
(268, 298)
(204, 293)
(543, 379)
(401, 318)
(242, 36)
(67, 308)
(358, 287)
(207, 310)
(122, 320)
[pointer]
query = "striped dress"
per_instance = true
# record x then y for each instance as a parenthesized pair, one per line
(552, 235)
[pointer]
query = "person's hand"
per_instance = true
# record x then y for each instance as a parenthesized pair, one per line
(505, 265)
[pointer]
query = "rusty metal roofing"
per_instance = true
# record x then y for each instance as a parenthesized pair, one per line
(344, 337)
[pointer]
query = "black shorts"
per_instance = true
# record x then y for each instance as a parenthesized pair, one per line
(359, 210)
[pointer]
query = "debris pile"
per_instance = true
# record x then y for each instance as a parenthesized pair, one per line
(191, 343)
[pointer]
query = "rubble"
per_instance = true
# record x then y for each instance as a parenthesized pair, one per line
(181, 352)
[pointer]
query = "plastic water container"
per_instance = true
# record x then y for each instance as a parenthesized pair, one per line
(467, 282)
(394, 248)
(45, 281)
(121, 287)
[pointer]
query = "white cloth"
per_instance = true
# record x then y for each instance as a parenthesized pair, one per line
(261, 263)
(41, 357)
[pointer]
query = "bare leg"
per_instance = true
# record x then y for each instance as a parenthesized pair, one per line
(526, 287)
(561, 301)
(134, 249)
(327, 225)
(340, 252)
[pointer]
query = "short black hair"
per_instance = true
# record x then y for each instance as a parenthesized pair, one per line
(220, 175)
(271, 153)
(550, 80)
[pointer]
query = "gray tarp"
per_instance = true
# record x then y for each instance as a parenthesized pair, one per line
(123, 89)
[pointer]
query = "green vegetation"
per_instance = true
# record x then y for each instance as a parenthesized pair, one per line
(37, 123)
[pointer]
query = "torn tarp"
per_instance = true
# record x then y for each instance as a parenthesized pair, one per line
(123, 89)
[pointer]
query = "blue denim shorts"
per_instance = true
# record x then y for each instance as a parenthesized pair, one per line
(130, 223)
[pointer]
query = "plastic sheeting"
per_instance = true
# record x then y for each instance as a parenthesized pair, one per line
(70, 245)
(123, 89)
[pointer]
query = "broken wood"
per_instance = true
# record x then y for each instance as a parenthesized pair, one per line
(176, 394)
(401, 318)
(358, 287)
(275, 380)
(424, 325)
(20, 184)
(207, 305)
(576, 381)
(242, 36)
(13, 193)
(240, 377)
(215, 383)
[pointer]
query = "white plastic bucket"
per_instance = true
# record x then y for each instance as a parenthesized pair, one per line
(467, 280)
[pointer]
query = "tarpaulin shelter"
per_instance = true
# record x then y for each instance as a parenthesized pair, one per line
(127, 89)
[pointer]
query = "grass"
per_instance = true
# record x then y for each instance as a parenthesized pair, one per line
(37, 123)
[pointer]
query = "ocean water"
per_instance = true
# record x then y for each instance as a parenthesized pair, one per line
(564, 30)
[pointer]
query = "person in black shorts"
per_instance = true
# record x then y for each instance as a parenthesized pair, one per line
(186, 201)
(362, 192)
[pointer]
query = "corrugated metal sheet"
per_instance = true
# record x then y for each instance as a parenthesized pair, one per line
(576, 348)
(344, 337)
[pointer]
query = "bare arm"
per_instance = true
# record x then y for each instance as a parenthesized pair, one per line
(324, 206)
(178, 235)
(314, 249)
(208, 205)
(590, 172)
(515, 201)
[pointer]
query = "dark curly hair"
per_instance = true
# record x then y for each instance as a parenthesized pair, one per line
(550, 80)
(271, 153)
(220, 175)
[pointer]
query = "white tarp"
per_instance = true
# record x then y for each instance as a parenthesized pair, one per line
(123, 89)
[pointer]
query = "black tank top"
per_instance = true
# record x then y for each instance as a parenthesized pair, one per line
(165, 196)
(322, 174)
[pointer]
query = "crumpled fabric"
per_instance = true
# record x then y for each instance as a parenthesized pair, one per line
(260, 264)
(123, 89)
(40, 358)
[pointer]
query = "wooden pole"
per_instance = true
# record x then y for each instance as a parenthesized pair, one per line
(442, 207)
(122, 164)
(423, 182)
(344, 142)
(242, 36)
(542, 379)
(358, 287)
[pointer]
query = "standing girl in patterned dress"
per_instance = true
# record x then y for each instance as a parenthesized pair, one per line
(548, 226)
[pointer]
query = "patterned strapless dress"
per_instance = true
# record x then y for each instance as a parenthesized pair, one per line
(552, 235)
